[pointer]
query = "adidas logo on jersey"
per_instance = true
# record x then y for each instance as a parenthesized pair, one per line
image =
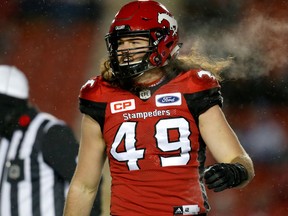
(186, 210)
(178, 210)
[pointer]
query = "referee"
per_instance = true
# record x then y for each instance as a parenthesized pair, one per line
(37, 153)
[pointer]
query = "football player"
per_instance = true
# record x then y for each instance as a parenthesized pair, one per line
(152, 114)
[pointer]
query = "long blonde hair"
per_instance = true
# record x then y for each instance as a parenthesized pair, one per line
(194, 60)
(106, 70)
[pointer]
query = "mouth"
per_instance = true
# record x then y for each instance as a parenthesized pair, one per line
(129, 63)
(127, 59)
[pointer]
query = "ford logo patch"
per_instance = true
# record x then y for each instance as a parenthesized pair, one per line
(168, 99)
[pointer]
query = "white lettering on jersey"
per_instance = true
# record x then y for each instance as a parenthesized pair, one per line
(121, 106)
(179, 150)
(170, 99)
(144, 115)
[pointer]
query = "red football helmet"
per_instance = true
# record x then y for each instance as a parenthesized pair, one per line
(145, 18)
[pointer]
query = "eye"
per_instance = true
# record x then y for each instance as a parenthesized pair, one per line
(119, 42)
(135, 42)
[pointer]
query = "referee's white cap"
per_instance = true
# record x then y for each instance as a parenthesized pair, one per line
(13, 82)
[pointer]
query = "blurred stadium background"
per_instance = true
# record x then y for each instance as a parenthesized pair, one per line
(59, 45)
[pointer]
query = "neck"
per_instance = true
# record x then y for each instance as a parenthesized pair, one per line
(150, 78)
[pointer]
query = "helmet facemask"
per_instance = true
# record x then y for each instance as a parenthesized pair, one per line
(129, 68)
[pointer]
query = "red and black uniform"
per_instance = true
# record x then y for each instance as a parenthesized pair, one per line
(155, 150)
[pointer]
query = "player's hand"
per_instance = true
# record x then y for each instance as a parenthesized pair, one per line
(221, 176)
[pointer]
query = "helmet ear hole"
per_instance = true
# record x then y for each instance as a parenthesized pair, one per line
(155, 59)
(168, 45)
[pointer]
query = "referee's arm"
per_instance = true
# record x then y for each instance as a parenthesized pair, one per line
(60, 150)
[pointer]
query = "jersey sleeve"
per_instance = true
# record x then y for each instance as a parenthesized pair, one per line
(91, 102)
(205, 93)
(60, 149)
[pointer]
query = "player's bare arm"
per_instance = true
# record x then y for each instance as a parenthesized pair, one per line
(223, 143)
(89, 169)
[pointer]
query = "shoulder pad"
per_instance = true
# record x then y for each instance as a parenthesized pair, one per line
(90, 87)
(203, 78)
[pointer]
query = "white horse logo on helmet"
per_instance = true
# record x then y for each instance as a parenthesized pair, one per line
(172, 22)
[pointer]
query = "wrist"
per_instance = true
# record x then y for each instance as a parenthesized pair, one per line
(246, 162)
(240, 174)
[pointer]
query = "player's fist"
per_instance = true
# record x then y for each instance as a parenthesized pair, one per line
(221, 176)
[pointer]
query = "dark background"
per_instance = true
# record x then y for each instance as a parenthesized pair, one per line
(54, 44)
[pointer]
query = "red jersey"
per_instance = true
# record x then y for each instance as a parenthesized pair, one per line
(155, 151)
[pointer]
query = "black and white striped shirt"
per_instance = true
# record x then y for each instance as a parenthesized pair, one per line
(36, 166)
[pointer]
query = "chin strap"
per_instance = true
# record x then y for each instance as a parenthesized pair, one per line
(175, 51)
(173, 55)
